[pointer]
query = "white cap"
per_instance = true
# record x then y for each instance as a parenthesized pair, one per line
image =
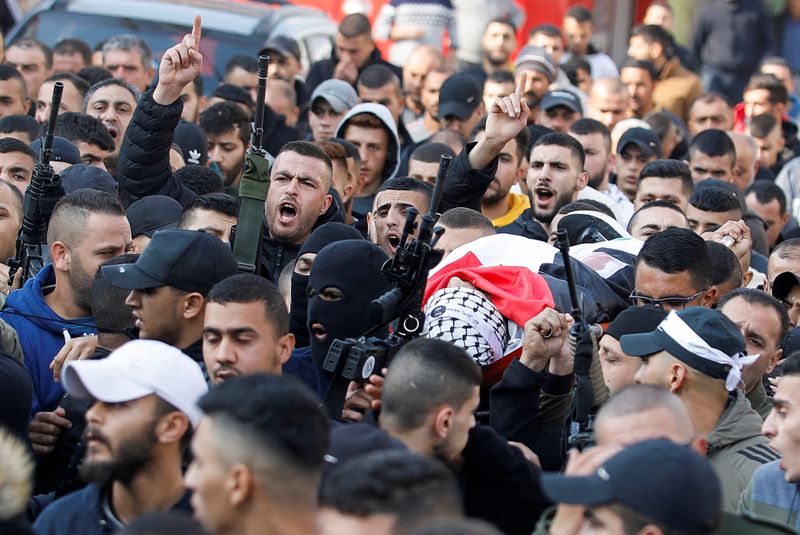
(138, 369)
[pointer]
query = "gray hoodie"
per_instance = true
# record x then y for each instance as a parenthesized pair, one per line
(364, 204)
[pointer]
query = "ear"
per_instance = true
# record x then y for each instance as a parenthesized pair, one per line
(239, 485)
(774, 361)
(443, 421)
(202, 104)
(677, 377)
(171, 427)
(326, 204)
(650, 529)
(371, 228)
(60, 256)
(285, 347)
(583, 180)
(655, 51)
(784, 219)
(194, 305)
(709, 297)
(747, 276)
(347, 194)
(611, 163)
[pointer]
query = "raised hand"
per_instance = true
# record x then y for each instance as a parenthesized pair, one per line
(180, 65)
(507, 116)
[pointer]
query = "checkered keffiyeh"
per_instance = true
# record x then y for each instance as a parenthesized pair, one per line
(468, 319)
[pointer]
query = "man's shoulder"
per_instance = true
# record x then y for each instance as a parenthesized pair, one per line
(74, 513)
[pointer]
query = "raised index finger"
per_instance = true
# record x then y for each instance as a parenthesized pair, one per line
(520, 90)
(196, 30)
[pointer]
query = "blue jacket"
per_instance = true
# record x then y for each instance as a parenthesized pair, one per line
(86, 512)
(770, 496)
(41, 335)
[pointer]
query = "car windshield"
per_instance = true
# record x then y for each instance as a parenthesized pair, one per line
(217, 47)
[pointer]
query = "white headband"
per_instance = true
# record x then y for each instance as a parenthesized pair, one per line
(679, 331)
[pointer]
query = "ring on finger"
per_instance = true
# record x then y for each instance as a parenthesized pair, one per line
(547, 334)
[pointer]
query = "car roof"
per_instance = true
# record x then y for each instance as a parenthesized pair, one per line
(231, 16)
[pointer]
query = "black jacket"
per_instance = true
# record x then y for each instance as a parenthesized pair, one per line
(525, 225)
(143, 168)
(465, 186)
(276, 132)
(499, 485)
(323, 69)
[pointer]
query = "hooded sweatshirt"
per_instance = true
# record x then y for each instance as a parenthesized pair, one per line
(362, 205)
(41, 333)
(770, 496)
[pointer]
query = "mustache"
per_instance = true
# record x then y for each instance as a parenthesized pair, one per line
(226, 368)
(93, 433)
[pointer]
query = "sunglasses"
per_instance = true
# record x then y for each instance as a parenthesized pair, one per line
(674, 302)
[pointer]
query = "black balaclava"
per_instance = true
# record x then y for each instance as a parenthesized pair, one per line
(322, 236)
(354, 267)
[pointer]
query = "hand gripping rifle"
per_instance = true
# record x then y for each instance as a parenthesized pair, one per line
(43, 193)
(355, 359)
(580, 341)
(253, 186)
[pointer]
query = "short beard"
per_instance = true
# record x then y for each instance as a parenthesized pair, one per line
(129, 459)
(597, 180)
(497, 62)
(493, 198)
(562, 200)
(81, 283)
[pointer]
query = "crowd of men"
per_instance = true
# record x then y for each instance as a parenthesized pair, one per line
(150, 387)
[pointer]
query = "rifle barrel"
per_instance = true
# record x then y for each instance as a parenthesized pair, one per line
(261, 95)
(562, 239)
(438, 188)
(55, 104)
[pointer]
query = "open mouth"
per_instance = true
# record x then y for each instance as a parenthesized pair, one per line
(113, 131)
(319, 332)
(287, 212)
(543, 194)
(394, 241)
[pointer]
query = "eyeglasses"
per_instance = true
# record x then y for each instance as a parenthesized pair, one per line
(672, 302)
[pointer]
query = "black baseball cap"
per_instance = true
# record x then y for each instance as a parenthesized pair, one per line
(459, 96)
(82, 176)
(783, 284)
(671, 335)
(189, 260)
(153, 213)
(645, 139)
(666, 482)
(561, 97)
(636, 320)
(283, 45)
(63, 150)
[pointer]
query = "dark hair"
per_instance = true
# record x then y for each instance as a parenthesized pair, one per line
(200, 179)
(660, 122)
(378, 75)
(70, 46)
(77, 127)
(778, 94)
(669, 169)
(414, 387)
(711, 97)
(574, 64)
(72, 212)
(762, 298)
(224, 117)
(216, 202)
(726, 266)
(633, 521)
(590, 205)
(787, 249)
(715, 199)
(641, 64)
(249, 288)
(81, 85)
(461, 218)
(20, 123)
(234, 93)
(412, 488)
(655, 204)
(406, 183)
(653, 33)
(458, 526)
(279, 422)
(107, 301)
(10, 144)
(9, 72)
(579, 13)
(501, 77)
(586, 126)
(335, 151)
(762, 125)
(350, 149)
(354, 25)
(566, 141)
(546, 29)
(166, 523)
(135, 93)
(506, 21)
(27, 43)
(766, 192)
(305, 148)
(94, 74)
(243, 61)
(431, 152)
(675, 250)
(713, 142)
